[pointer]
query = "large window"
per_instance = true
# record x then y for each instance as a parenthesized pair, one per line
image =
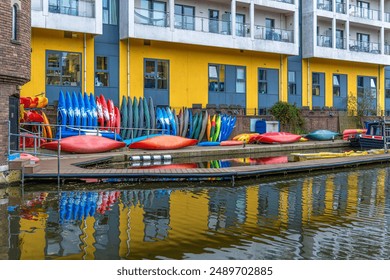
(156, 74)
(292, 84)
(101, 74)
(153, 13)
(214, 21)
(63, 68)
(110, 12)
(363, 41)
(184, 17)
(316, 86)
(15, 22)
(216, 77)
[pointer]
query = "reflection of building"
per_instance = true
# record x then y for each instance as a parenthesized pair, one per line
(315, 217)
(14, 65)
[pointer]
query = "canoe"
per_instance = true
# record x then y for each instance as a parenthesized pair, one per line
(85, 144)
(76, 110)
(88, 110)
(124, 117)
(208, 143)
(321, 135)
(83, 113)
(278, 138)
(61, 109)
(163, 142)
(69, 109)
(92, 102)
(204, 126)
(231, 143)
(347, 133)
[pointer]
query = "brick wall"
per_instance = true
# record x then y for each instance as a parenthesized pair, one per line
(15, 61)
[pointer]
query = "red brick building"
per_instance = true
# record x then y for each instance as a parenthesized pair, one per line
(15, 62)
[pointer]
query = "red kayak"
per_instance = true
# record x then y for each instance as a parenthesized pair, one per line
(278, 138)
(163, 142)
(231, 143)
(85, 144)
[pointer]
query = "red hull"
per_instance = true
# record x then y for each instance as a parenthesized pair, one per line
(278, 138)
(164, 142)
(85, 144)
(231, 143)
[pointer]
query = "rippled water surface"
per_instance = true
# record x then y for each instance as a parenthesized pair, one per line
(343, 215)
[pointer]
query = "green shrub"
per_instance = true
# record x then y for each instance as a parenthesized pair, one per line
(289, 117)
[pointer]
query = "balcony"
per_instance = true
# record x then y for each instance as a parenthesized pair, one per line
(83, 16)
(341, 43)
(162, 26)
(82, 8)
(325, 5)
(387, 49)
(364, 13)
(367, 47)
(324, 41)
(341, 8)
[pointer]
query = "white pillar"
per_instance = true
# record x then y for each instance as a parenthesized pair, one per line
(233, 18)
(172, 14)
(334, 27)
(382, 41)
(45, 8)
(252, 19)
(382, 10)
(131, 11)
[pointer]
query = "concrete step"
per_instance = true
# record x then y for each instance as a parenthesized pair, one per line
(32, 168)
(17, 164)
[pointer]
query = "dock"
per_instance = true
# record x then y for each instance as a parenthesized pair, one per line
(73, 166)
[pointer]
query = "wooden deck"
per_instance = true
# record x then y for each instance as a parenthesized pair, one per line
(71, 165)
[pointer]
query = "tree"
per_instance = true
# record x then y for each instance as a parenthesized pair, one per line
(363, 105)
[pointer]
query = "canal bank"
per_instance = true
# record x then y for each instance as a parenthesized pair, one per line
(81, 166)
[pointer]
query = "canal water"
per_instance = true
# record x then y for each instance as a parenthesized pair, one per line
(321, 216)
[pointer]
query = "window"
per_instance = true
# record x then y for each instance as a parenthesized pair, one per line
(240, 80)
(156, 74)
(292, 86)
(316, 84)
(364, 9)
(363, 41)
(63, 68)
(263, 84)
(360, 86)
(184, 17)
(15, 22)
(213, 21)
(217, 77)
(110, 12)
(336, 85)
(154, 13)
(269, 28)
(387, 88)
(101, 74)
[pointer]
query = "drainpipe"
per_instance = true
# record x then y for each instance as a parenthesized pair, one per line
(281, 78)
(128, 67)
(308, 82)
(85, 62)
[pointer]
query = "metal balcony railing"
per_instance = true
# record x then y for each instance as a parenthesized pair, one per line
(341, 8)
(387, 49)
(341, 43)
(151, 17)
(324, 41)
(387, 17)
(273, 34)
(82, 8)
(364, 13)
(325, 5)
(367, 47)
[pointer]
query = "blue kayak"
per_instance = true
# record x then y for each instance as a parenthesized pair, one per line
(322, 135)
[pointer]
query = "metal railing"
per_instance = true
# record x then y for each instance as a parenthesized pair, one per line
(341, 43)
(151, 17)
(387, 17)
(286, 1)
(341, 8)
(387, 49)
(82, 8)
(325, 5)
(367, 47)
(273, 34)
(365, 13)
(324, 41)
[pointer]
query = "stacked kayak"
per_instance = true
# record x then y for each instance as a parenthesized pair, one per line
(83, 114)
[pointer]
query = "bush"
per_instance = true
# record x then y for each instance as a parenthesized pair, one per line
(289, 117)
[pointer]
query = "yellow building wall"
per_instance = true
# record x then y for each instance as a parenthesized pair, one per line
(330, 67)
(45, 39)
(188, 65)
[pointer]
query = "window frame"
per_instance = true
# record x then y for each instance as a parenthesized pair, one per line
(336, 87)
(387, 88)
(219, 80)
(183, 23)
(102, 71)
(316, 86)
(60, 68)
(292, 85)
(261, 83)
(15, 33)
(155, 75)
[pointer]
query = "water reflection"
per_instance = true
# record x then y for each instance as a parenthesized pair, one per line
(331, 216)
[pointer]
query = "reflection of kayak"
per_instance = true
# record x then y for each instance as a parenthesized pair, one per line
(272, 160)
(169, 166)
